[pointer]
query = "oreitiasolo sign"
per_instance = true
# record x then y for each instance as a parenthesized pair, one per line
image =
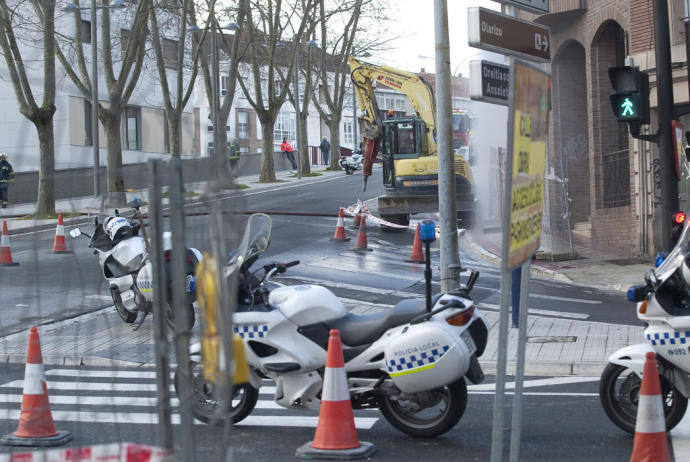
(489, 82)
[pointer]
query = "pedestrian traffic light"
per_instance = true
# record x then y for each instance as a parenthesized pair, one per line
(630, 102)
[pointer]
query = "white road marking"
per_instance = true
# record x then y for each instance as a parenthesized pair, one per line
(360, 288)
(105, 373)
(562, 314)
(536, 383)
(107, 298)
(21, 305)
(567, 299)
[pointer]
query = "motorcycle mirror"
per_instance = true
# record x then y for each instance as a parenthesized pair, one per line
(76, 232)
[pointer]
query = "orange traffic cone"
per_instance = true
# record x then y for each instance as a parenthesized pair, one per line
(59, 242)
(650, 443)
(5, 251)
(36, 426)
(336, 435)
(340, 229)
(417, 252)
(356, 221)
(361, 245)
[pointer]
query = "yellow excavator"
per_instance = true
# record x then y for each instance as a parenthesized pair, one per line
(407, 146)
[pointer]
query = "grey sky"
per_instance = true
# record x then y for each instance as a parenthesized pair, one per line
(414, 20)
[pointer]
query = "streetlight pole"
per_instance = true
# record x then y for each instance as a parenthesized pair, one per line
(217, 151)
(71, 7)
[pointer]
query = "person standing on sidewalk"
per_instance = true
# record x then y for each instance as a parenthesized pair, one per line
(233, 155)
(6, 176)
(286, 148)
(325, 147)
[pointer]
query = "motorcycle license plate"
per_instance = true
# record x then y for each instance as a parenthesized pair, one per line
(469, 342)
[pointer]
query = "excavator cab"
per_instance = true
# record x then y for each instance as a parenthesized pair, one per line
(403, 139)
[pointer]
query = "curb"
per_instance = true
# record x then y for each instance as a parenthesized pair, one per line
(466, 237)
(550, 369)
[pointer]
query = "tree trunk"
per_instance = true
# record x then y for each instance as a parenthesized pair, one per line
(268, 171)
(222, 164)
(334, 127)
(46, 169)
(116, 181)
(303, 149)
(174, 135)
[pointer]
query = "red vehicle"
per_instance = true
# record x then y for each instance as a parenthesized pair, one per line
(462, 126)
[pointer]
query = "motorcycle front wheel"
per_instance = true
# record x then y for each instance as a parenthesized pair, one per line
(127, 316)
(427, 414)
(206, 404)
(619, 391)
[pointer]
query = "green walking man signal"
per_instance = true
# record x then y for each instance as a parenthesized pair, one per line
(630, 102)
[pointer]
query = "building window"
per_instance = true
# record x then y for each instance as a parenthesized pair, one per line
(88, 137)
(169, 48)
(223, 84)
(284, 127)
(209, 150)
(244, 149)
(616, 168)
(132, 128)
(243, 125)
(348, 135)
(85, 31)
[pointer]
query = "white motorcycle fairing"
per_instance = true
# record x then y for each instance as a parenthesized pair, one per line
(417, 357)
(633, 357)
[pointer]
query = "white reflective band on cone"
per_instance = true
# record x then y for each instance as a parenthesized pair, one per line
(34, 376)
(60, 230)
(4, 240)
(335, 385)
(650, 415)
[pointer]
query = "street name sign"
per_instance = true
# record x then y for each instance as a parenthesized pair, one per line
(536, 6)
(500, 33)
(489, 82)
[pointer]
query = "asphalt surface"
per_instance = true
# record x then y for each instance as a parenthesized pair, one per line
(561, 421)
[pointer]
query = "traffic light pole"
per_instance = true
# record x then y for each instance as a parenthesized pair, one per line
(664, 89)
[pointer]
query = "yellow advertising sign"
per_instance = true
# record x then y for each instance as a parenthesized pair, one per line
(530, 136)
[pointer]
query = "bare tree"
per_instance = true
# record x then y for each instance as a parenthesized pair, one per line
(119, 86)
(345, 28)
(268, 24)
(41, 116)
(185, 67)
(231, 49)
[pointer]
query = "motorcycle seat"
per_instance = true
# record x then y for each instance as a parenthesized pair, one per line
(360, 329)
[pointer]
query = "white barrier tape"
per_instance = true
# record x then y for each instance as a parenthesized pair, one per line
(354, 209)
(119, 452)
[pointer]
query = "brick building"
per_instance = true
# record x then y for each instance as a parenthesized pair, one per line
(611, 176)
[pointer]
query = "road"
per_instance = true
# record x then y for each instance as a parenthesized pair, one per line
(47, 286)
(562, 418)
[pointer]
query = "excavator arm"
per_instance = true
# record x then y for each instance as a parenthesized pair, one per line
(417, 90)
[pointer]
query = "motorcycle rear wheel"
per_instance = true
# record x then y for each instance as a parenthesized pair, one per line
(429, 422)
(206, 404)
(619, 390)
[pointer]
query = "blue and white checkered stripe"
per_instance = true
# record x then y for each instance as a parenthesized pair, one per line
(669, 338)
(251, 330)
(404, 363)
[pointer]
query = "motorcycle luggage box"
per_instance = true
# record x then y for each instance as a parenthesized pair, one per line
(426, 356)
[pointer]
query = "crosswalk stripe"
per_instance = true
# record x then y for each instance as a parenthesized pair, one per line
(151, 418)
(105, 373)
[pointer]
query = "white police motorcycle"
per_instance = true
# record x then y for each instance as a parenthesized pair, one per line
(663, 305)
(410, 362)
(126, 266)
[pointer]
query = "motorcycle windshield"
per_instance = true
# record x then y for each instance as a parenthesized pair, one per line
(676, 256)
(254, 241)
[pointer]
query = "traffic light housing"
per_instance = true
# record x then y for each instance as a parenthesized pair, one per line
(630, 102)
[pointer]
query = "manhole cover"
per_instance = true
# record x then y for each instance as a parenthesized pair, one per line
(561, 339)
